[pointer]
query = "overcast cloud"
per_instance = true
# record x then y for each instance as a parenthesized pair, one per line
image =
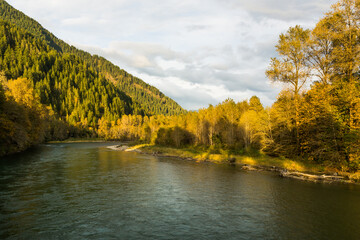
(195, 51)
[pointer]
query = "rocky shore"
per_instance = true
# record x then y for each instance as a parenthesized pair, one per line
(298, 175)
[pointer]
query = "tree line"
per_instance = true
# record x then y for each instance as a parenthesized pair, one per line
(238, 127)
(315, 118)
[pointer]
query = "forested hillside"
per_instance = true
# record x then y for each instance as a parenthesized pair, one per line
(149, 98)
(73, 89)
(72, 92)
(49, 95)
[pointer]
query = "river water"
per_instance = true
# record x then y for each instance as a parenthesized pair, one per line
(88, 191)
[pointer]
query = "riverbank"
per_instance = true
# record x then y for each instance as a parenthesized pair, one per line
(251, 162)
(78, 140)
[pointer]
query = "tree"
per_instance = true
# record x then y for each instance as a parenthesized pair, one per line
(253, 124)
(103, 128)
(282, 139)
(321, 128)
(23, 120)
(344, 24)
(22, 92)
(292, 67)
(320, 50)
(255, 104)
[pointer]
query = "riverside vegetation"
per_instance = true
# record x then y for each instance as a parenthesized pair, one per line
(72, 93)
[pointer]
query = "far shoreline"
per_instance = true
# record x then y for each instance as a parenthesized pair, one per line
(85, 140)
(283, 167)
(77, 140)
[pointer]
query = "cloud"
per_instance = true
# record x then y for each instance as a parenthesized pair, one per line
(282, 9)
(83, 22)
(76, 21)
(196, 27)
(196, 52)
(191, 79)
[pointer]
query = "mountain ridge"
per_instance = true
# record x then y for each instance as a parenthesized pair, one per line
(137, 89)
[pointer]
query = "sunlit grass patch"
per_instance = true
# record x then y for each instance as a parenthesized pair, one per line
(139, 146)
(247, 160)
(294, 166)
(217, 158)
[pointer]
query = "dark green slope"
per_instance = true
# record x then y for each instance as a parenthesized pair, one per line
(74, 90)
(148, 97)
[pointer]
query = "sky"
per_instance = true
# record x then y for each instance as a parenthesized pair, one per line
(198, 52)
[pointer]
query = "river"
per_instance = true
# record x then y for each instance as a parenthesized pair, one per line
(88, 191)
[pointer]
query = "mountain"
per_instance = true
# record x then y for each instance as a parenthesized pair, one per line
(130, 95)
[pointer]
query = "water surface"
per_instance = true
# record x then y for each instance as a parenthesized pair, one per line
(87, 191)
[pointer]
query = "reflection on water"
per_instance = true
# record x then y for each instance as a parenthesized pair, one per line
(85, 190)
